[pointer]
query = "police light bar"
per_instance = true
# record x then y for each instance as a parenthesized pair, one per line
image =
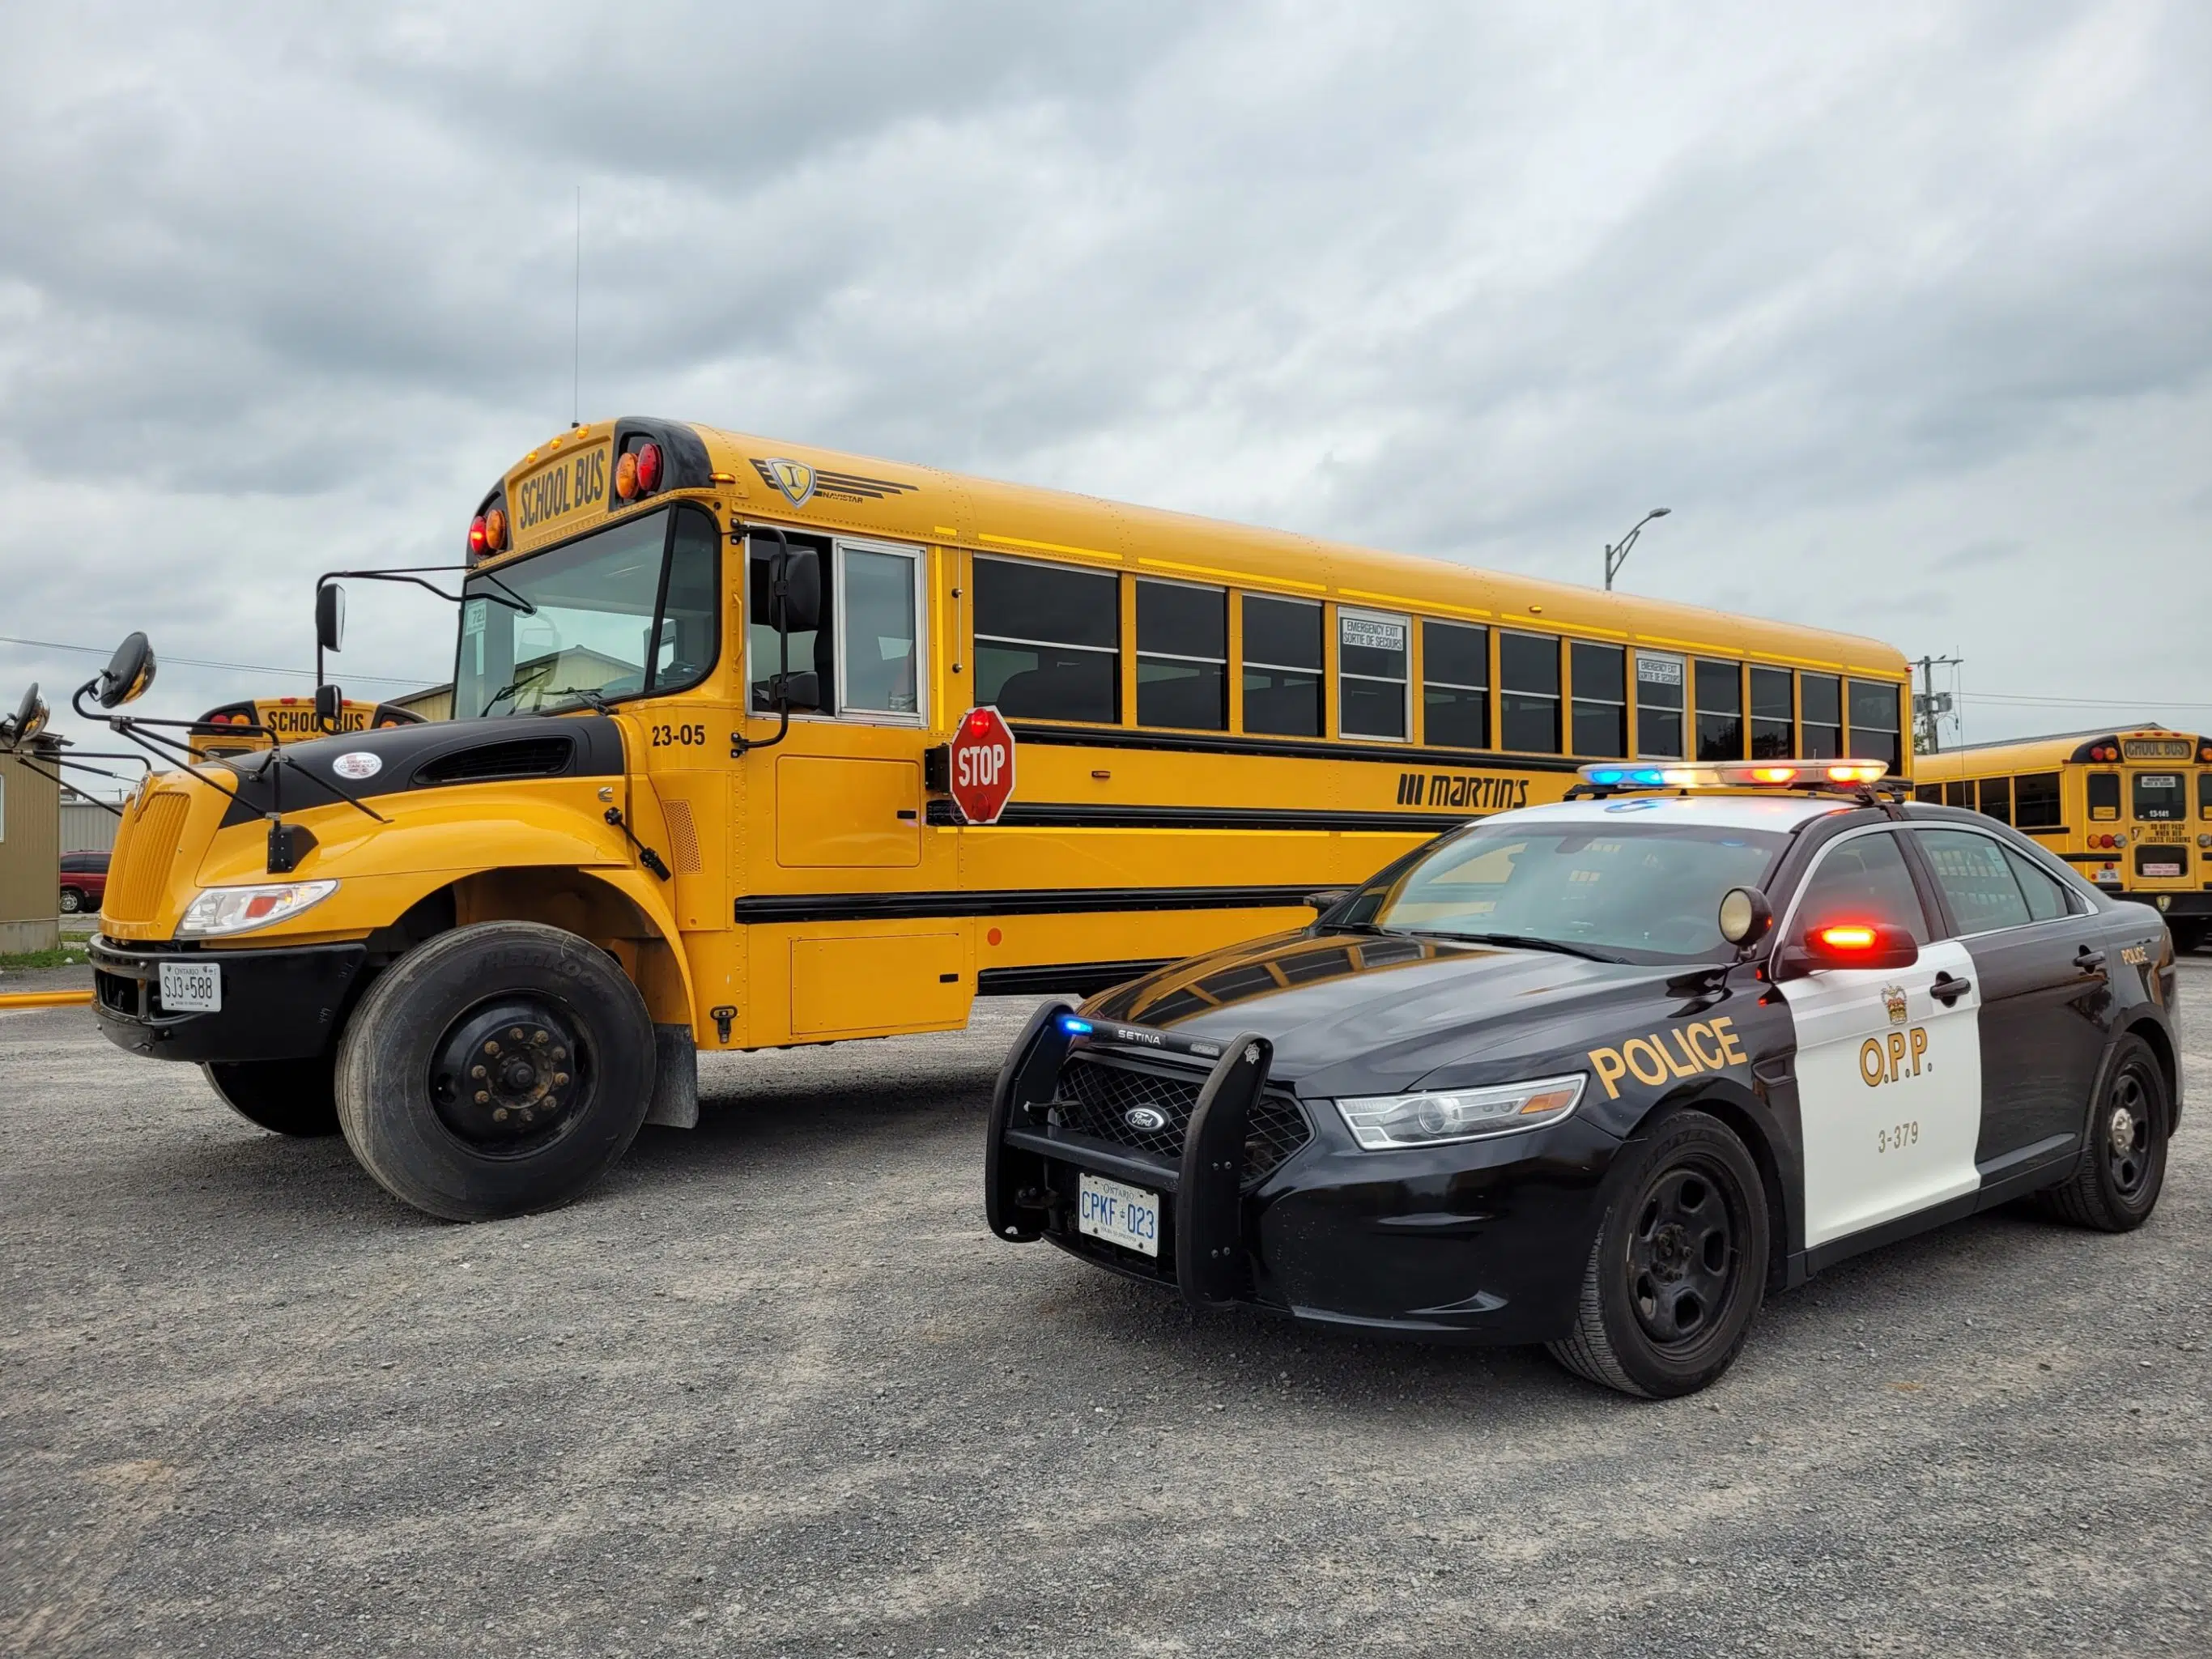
(1115, 1033)
(1736, 774)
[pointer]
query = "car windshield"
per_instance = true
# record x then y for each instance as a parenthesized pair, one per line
(600, 622)
(1625, 892)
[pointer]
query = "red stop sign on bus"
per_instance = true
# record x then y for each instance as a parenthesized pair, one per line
(982, 766)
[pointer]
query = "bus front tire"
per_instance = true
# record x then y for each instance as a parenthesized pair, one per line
(284, 1096)
(494, 1070)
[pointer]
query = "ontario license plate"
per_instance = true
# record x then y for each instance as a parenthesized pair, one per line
(191, 988)
(1127, 1216)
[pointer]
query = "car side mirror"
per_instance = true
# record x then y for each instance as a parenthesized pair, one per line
(330, 616)
(1877, 944)
(1745, 916)
(330, 703)
(128, 675)
(1328, 899)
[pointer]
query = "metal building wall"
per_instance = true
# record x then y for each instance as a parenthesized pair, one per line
(87, 828)
(30, 859)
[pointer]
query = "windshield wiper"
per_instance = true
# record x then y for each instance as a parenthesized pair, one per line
(1527, 942)
(582, 693)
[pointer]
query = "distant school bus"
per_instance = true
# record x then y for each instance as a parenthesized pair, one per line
(240, 728)
(2132, 810)
(696, 796)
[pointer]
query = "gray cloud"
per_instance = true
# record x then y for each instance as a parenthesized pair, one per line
(1865, 296)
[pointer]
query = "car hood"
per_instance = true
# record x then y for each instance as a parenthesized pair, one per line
(1380, 1014)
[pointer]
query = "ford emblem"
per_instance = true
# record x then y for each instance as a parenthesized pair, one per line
(1145, 1118)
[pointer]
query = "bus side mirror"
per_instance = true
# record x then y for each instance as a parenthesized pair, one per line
(330, 616)
(1877, 944)
(30, 719)
(330, 703)
(1745, 916)
(128, 673)
(801, 609)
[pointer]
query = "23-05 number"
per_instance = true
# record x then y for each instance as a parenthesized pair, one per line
(669, 737)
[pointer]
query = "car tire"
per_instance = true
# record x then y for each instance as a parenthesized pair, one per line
(1678, 1269)
(494, 1070)
(72, 901)
(284, 1096)
(2116, 1185)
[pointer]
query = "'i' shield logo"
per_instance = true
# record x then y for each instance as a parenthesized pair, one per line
(794, 478)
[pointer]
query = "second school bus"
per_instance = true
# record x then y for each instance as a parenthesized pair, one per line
(691, 797)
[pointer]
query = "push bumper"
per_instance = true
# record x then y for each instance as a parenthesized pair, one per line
(1479, 1241)
(284, 1003)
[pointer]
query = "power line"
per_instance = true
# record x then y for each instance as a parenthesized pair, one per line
(200, 662)
(2077, 702)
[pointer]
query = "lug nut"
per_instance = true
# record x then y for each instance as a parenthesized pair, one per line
(482, 1098)
(560, 1078)
(476, 1071)
(514, 1033)
(538, 1036)
(499, 1114)
(491, 1047)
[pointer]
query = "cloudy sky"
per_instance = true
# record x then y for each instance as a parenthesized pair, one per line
(1905, 311)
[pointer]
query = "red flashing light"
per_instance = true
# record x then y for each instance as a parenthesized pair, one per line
(979, 723)
(1848, 936)
(648, 469)
(479, 538)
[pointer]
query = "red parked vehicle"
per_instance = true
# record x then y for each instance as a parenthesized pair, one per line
(84, 881)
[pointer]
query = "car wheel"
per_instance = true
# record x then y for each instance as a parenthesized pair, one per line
(496, 1069)
(72, 901)
(2116, 1185)
(1679, 1265)
(285, 1096)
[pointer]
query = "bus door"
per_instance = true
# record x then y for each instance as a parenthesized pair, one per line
(2159, 832)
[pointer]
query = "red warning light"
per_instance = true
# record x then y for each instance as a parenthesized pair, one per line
(648, 469)
(1848, 936)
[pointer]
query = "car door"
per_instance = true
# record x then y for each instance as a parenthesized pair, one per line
(2039, 966)
(1888, 1062)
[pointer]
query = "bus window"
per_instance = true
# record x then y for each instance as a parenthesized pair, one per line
(1182, 656)
(1600, 689)
(1773, 715)
(1720, 710)
(1875, 731)
(1282, 666)
(684, 646)
(1048, 641)
(2104, 795)
(1959, 794)
(2036, 803)
(1454, 685)
(1529, 693)
(2204, 795)
(2159, 798)
(1822, 698)
(1658, 706)
(877, 617)
(1370, 674)
(1930, 792)
(1996, 799)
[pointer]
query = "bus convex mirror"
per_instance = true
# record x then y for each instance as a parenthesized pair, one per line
(30, 719)
(802, 593)
(330, 703)
(128, 673)
(330, 616)
(1745, 916)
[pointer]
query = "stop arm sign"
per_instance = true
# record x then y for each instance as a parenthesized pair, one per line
(981, 765)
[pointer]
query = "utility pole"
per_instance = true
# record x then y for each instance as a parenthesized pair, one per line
(1617, 555)
(1928, 706)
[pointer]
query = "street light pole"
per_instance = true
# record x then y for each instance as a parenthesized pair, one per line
(1617, 555)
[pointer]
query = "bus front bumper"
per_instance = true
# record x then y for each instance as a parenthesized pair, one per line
(280, 1004)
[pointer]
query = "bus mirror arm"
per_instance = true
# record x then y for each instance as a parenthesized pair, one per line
(330, 613)
(780, 603)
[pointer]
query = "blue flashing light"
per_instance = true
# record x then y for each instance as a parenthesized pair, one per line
(1074, 1027)
(1648, 774)
(1607, 774)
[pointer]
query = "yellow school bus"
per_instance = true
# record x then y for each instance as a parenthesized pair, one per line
(240, 728)
(2131, 809)
(696, 791)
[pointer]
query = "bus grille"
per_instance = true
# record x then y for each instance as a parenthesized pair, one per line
(1095, 1095)
(145, 848)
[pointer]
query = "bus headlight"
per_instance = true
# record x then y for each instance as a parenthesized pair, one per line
(219, 910)
(1381, 1122)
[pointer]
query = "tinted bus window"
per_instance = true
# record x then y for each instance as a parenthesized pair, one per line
(2159, 798)
(1720, 710)
(1659, 705)
(1047, 641)
(2104, 795)
(1370, 675)
(1996, 799)
(1822, 711)
(1182, 656)
(1529, 693)
(1773, 718)
(1930, 792)
(2035, 802)
(2204, 795)
(1601, 685)
(1874, 729)
(1282, 666)
(1959, 794)
(1454, 685)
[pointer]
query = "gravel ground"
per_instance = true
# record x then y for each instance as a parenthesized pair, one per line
(772, 1390)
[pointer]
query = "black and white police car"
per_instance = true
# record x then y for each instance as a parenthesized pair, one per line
(1602, 1074)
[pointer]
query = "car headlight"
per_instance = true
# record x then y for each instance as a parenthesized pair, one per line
(240, 909)
(1380, 1122)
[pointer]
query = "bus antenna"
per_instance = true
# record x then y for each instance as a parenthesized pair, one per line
(576, 325)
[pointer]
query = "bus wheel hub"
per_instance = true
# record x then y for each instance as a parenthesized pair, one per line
(504, 1073)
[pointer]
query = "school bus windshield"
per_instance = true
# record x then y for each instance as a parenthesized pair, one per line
(626, 611)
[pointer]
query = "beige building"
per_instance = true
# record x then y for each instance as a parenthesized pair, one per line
(30, 859)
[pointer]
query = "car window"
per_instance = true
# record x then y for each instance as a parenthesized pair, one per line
(2046, 899)
(1861, 879)
(1975, 877)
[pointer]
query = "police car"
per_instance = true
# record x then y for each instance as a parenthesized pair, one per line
(1602, 1074)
